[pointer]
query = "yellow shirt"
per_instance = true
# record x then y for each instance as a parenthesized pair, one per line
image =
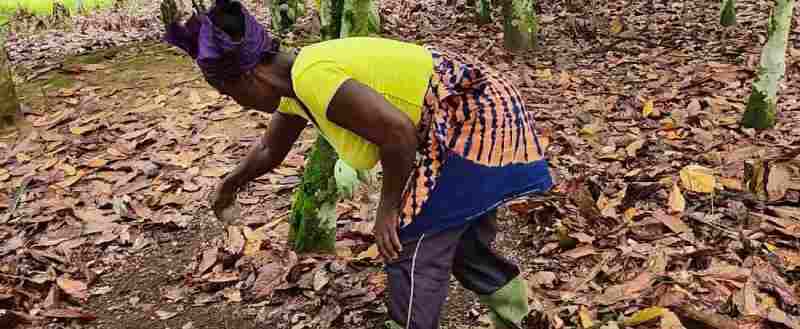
(399, 71)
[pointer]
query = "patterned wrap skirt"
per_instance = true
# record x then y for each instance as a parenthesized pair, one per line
(478, 149)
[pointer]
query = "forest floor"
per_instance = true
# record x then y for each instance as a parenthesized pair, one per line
(665, 208)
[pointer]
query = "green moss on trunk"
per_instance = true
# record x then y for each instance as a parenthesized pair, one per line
(284, 13)
(9, 104)
(484, 11)
(762, 106)
(520, 25)
(360, 18)
(728, 13)
(313, 215)
(330, 14)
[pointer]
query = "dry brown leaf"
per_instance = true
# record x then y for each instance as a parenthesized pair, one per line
(674, 223)
(69, 313)
(671, 321)
(677, 204)
(235, 241)
(626, 291)
(586, 317)
(165, 315)
(254, 239)
(648, 110)
(645, 315)
(732, 184)
(370, 253)
(97, 163)
(233, 295)
(213, 172)
(76, 289)
(68, 169)
(84, 129)
(778, 182)
(634, 147)
(273, 274)
(579, 252)
(630, 214)
(210, 257)
(778, 316)
(698, 179)
(541, 279)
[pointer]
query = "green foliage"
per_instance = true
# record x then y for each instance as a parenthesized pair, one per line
(346, 178)
(728, 15)
(353, 22)
(763, 102)
(330, 14)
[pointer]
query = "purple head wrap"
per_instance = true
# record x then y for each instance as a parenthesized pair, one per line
(216, 53)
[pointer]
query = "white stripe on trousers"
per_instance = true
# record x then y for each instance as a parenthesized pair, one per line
(413, 266)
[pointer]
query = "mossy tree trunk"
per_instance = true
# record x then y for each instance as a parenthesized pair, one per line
(313, 215)
(484, 8)
(284, 13)
(360, 18)
(762, 106)
(520, 24)
(9, 104)
(728, 13)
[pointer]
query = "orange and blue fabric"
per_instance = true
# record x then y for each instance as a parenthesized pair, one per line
(478, 148)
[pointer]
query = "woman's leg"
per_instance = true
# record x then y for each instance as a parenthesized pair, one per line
(419, 280)
(495, 279)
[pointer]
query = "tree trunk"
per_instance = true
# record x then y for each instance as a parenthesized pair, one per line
(762, 106)
(728, 13)
(9, 104)
(484, 11)
(313, 215)
(520, 24)
(360, 18)
(284, 13)
(330, 17)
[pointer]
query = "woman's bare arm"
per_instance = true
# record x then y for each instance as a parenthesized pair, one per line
(281, 134)
(365, 112)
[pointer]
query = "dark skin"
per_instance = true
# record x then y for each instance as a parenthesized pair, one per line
(355, 107)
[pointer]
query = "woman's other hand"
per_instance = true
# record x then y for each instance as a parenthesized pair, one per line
(224, 203)
(385, 231)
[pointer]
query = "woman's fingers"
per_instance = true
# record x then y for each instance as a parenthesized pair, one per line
(395, 239)
(391, 250)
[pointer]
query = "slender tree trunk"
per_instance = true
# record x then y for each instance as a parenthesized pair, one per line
(762, 106)
(484, 9)
(330, 16)
(284, 13)
(360, 18)
(313, 215)
(520, 24)
(728, 13)
(9, 104)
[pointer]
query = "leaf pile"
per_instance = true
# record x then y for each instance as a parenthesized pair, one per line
(665, 208)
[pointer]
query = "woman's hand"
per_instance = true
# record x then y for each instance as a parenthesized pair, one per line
(385, 231)
(224, 203)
